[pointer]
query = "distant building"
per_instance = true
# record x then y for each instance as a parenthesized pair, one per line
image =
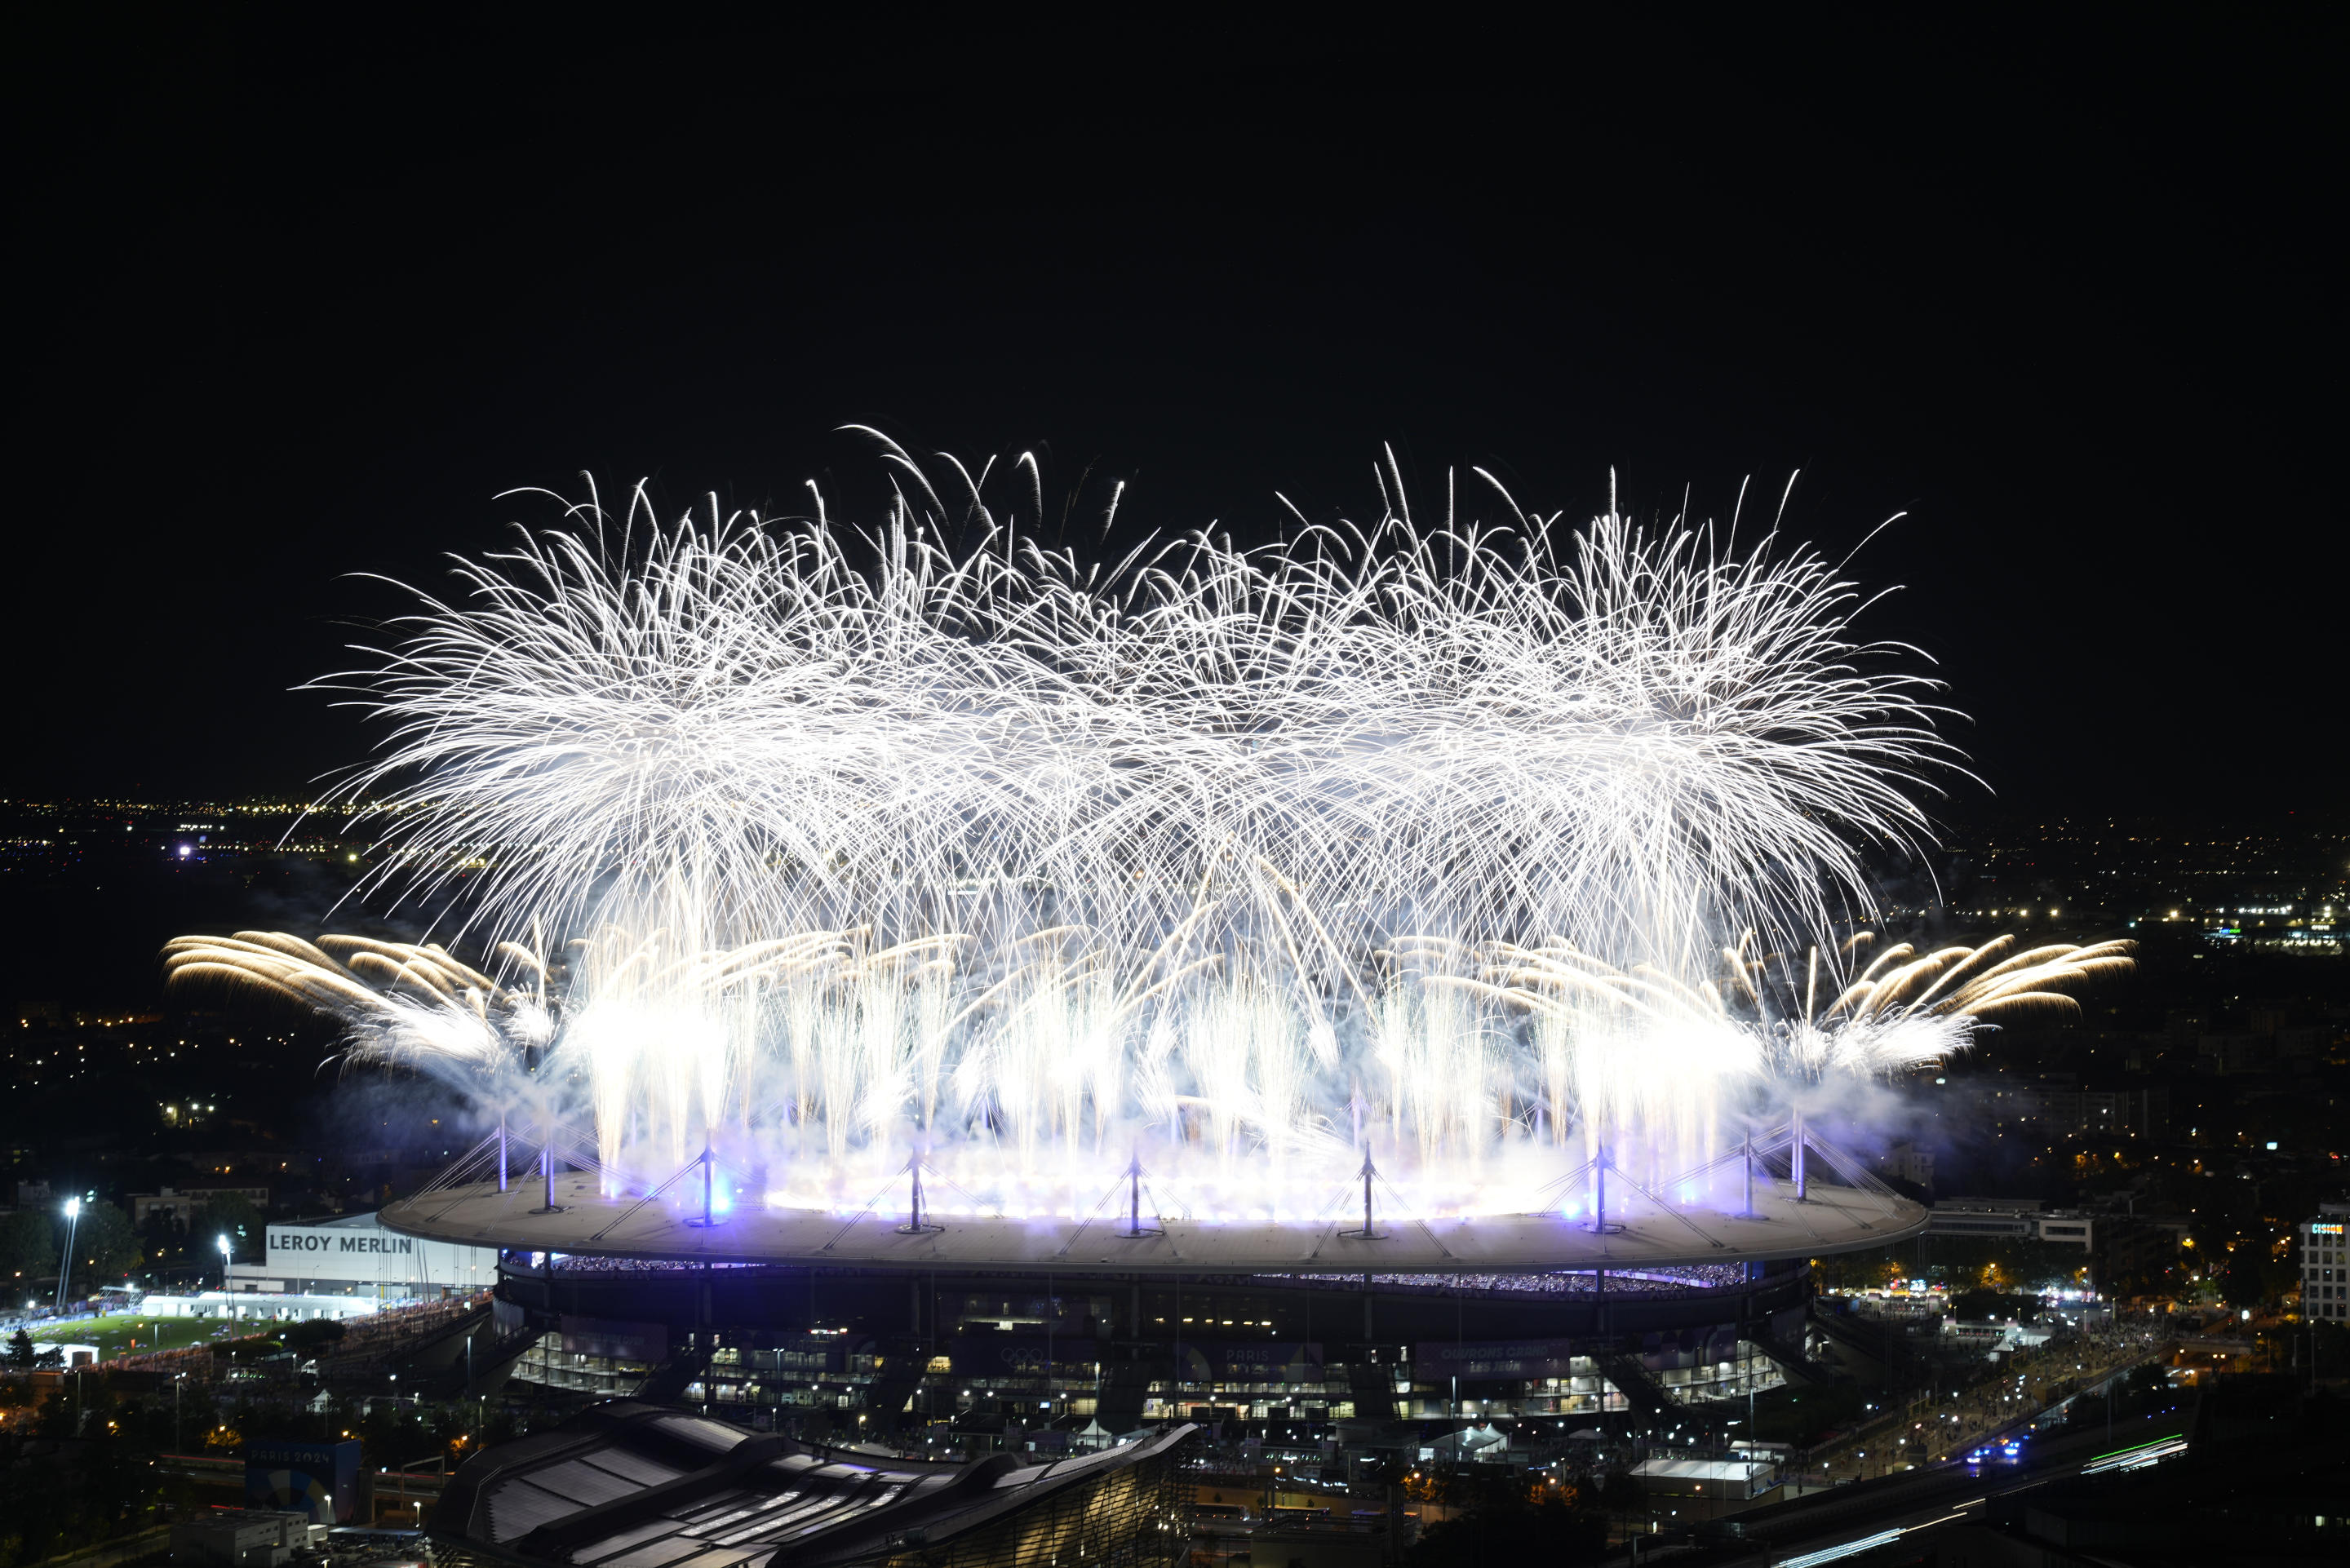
(185, 1205)
(2070, 1230)
(2239, 1053)
(2015, 1219)
(2140, 1113)
(2134, 1246)
(1910, 1163)
(243, 1538)
(2317, 938)
(2325, 1265)
(2303, 1040)
(2011, 1102)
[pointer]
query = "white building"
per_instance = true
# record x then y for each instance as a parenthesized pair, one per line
(1910, 1163)
(2013, 1218)
(242, 1305)
(2324, 1266)
(354, 1255)
(2069, 1229)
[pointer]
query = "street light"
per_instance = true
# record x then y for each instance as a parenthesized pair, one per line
(65, 1264)
(226, 1253)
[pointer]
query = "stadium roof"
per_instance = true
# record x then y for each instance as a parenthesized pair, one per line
(631, 1485)
(588, 1221)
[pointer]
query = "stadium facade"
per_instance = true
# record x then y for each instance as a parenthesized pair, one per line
(1315, 1341)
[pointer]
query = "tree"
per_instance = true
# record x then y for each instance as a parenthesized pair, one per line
(1991, 1306)
(1506, 1518)
(1622, 1494)
(29, 1239)
(315, 1334)
(252, 1347)
(20, 1352)
(105, 1246)
(163, 1234)
(2243, 1286)
(233, 1215)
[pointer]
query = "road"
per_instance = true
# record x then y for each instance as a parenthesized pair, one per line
(2016, 1395)
(1934, 1496)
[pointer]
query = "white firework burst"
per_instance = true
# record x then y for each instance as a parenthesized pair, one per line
(1428, 833)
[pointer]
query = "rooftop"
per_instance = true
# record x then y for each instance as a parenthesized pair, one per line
(631, 1485)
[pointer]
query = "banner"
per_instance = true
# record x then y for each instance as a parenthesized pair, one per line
(1432, 1359)
(320, 1480)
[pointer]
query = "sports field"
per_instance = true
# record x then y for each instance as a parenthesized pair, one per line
(125, 1334)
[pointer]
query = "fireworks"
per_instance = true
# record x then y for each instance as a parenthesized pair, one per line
(825, 847)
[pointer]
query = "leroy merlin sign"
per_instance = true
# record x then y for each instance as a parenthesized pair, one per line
(362, 1242)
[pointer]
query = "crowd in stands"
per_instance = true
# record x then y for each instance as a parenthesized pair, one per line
(1649, 1281)
(588, 1264)
(381, 1332)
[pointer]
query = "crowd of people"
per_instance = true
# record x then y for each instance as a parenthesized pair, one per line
(1553, 1282)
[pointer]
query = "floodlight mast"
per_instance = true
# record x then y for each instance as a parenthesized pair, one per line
(65, 1264)
(1803, 1186)
(1369, 1232)
(1135, 1230)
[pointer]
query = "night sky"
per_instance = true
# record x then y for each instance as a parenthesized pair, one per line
(294, 305)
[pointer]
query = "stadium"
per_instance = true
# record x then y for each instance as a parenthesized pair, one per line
(1376, 993)
(1369, 1336)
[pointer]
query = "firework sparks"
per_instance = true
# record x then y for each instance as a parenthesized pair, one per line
(1426, 837)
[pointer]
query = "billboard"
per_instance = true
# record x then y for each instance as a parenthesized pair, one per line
(318, 1479)
(1518, 1358)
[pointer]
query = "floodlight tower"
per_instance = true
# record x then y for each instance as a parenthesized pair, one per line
(65, 1264)
(226, 1253)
